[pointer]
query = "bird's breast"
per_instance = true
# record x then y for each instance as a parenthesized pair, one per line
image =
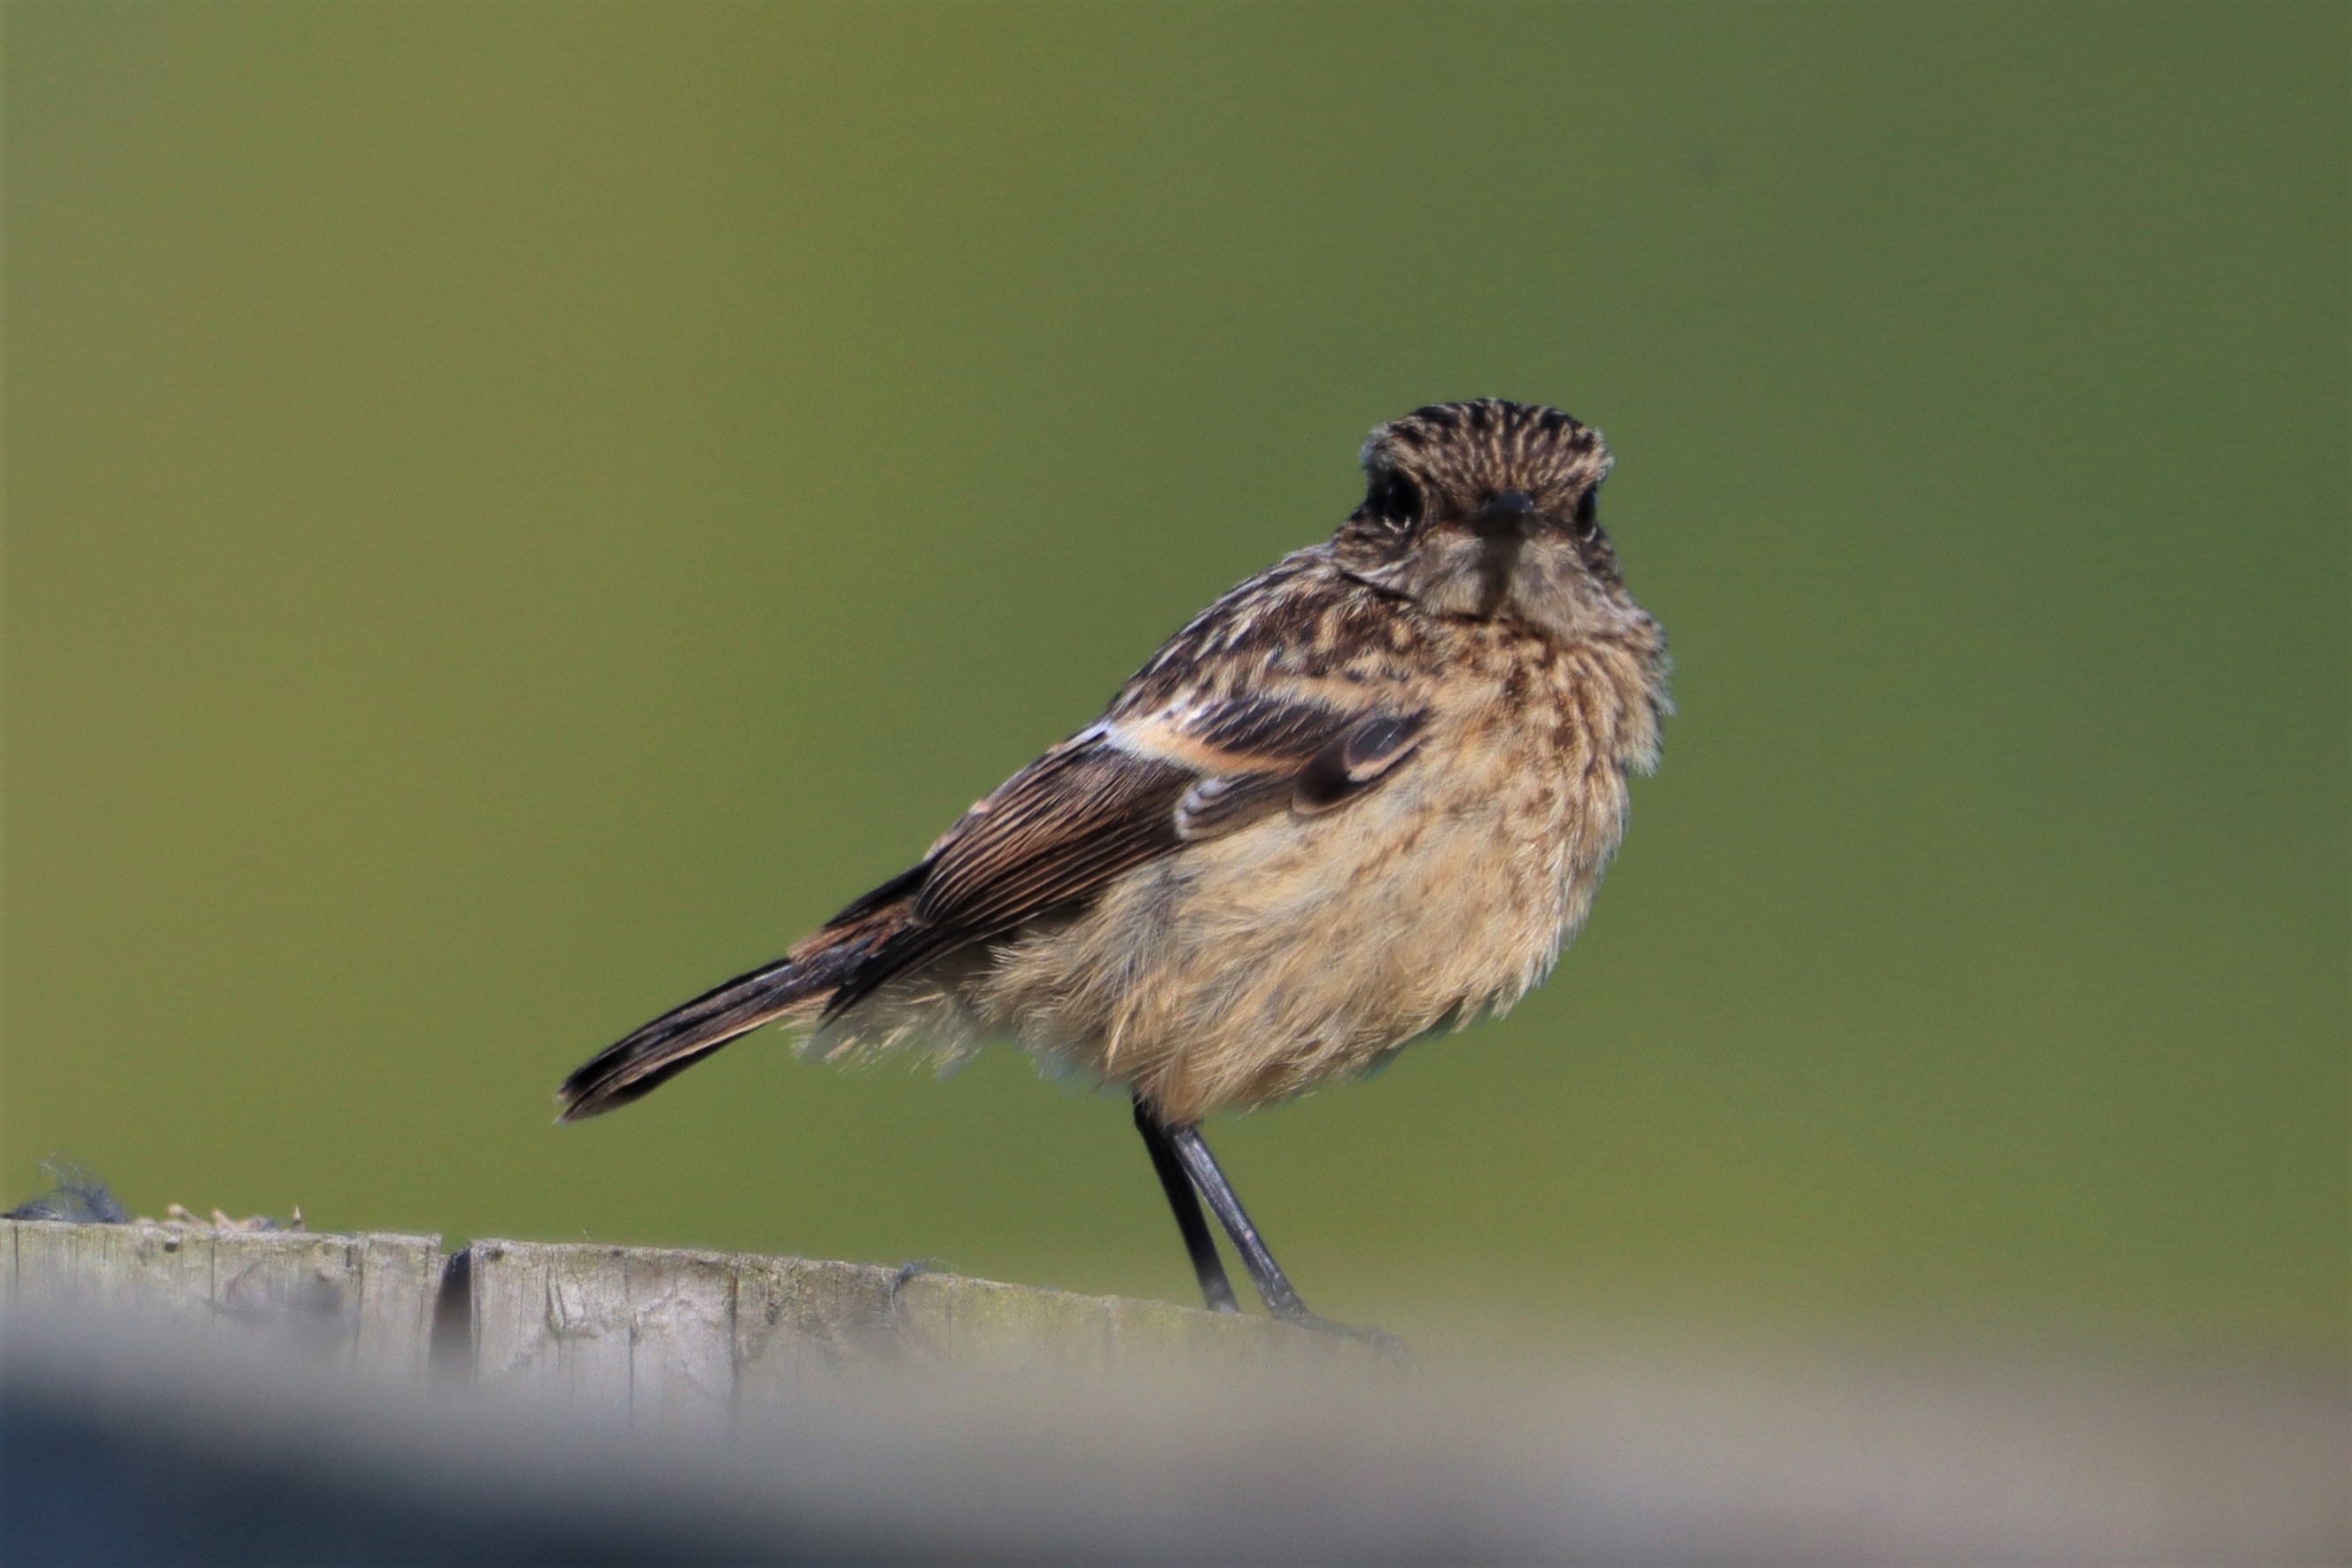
(1250, 967)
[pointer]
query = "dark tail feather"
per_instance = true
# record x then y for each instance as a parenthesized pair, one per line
(677, 1039)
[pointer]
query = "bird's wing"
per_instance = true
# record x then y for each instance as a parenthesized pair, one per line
(1141, 785)
(1288, 694)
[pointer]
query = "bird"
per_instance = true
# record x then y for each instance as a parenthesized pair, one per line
(1362, 800)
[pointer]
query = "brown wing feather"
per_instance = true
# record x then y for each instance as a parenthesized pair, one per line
(1054, 833)
(1288, 694)
(1357, 760)
(1060, 829)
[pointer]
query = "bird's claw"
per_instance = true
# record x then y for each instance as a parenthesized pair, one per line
(1389, 1347)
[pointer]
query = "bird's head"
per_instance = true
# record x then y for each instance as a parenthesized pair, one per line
(1487, 509)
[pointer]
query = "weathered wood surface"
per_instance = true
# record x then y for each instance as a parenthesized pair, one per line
(365, 1299)
(675, 1335)
(762, 1426)
(666, 1336)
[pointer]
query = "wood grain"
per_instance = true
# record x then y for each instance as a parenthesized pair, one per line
(670, 1338)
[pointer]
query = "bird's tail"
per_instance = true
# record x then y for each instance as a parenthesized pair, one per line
(674, 1042)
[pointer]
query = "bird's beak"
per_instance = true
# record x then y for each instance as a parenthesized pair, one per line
(1508, 514)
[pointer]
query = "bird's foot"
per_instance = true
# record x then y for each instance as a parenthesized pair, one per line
(1390, 1348)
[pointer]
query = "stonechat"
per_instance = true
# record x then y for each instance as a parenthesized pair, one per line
(1363, 799)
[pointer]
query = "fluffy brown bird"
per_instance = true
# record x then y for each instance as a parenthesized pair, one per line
(1364, 798)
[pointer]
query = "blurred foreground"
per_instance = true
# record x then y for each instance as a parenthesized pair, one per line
(237, 1430)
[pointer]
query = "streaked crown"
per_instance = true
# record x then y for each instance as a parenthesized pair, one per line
(1467, 452)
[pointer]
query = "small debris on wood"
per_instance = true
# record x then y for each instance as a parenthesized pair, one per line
(177, 1213)
(75, 1196)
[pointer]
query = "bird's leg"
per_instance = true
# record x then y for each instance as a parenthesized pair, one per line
(1215, 1289)
(1273, 1287)
(1192, 1152)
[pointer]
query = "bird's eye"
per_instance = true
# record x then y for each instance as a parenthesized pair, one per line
(1588, 512)
(1395, 500)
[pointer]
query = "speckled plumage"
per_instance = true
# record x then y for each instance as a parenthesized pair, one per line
(1365, 796)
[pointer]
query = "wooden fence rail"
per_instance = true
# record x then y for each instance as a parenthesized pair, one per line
(161, 1401)
(659, 1334)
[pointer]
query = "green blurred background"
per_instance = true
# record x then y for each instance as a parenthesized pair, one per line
(514, 512)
